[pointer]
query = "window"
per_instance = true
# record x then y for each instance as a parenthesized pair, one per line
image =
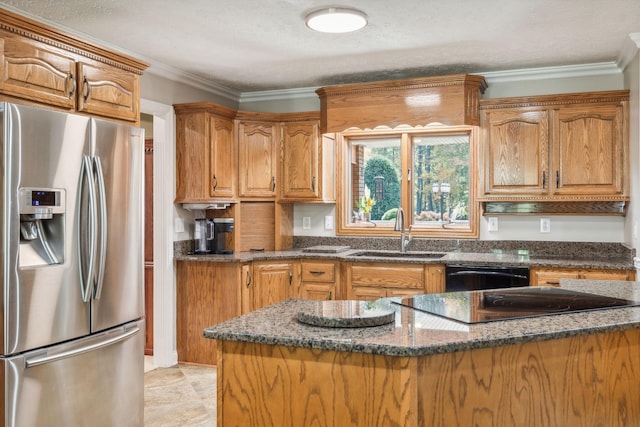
(428, 172)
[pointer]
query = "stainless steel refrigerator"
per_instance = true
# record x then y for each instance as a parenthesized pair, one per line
(72, 270)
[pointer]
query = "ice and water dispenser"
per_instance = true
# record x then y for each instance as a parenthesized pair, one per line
(42, 226)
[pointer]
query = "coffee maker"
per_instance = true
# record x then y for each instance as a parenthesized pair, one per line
(203, 236)
(222, 226)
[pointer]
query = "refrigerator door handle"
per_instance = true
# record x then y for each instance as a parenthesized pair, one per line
(102, 214)
(86, 277)
(41, 360)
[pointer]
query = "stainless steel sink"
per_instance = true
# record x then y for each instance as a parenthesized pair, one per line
(398, 254)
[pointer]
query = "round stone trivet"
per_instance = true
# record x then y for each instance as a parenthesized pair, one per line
(346, 314)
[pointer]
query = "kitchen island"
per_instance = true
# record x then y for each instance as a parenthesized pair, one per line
(423, 370)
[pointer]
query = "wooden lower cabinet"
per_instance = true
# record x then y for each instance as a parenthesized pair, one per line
(543, 276)
(319, 279)
(273, 281)
(207, 293)
(370, 281)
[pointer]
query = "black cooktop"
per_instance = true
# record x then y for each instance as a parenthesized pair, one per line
(512, 303)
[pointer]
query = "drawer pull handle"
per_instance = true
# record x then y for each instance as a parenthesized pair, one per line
(316, 273)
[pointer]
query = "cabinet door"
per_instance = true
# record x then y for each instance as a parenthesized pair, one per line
(222, 158)
(588, 155)
(37, 72)
(257, 159)
(318, 291)
(515, 152)
(192, 152)
(300, 144)
(108, 91)
(366, 293)
(273, 282)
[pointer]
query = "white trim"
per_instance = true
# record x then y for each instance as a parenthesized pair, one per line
(164, 294)
(271, 95)
(542, 73)
(629, 50)
(171, 73)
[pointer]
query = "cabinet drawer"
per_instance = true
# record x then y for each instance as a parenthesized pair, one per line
(318, 272)
(389, 276)
(552, 278)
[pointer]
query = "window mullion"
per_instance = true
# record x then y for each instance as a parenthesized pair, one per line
(407, 163)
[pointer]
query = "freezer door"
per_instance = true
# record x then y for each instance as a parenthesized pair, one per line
(118, 294)
(42, 303)
(94, 381)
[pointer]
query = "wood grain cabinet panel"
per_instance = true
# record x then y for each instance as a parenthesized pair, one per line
(43, 65)
(36, 72)
(515, 150)
(319, 280)
(257, 159)
(571, 147)
(300, 159)
(108, 91)
(207, 293)
(588, 157)
(544, 276)
(368, 281)
(274, 282)
(205, 153)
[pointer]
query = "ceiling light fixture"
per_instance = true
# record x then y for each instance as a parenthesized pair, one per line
(336, 20)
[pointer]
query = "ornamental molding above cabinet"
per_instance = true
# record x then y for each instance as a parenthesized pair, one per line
(449, 100)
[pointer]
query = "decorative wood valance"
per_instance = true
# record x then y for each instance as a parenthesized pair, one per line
(450, 100)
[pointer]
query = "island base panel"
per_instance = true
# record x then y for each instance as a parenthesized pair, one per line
(584, 380)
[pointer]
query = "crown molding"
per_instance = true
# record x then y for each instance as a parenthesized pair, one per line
(560, 72)
(629, 50)
(275, 95)
(542, 73)
(179, 76)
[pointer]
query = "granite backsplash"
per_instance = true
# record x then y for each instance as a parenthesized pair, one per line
(579, 250)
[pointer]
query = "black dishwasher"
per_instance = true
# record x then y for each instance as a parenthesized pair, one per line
(481, 277)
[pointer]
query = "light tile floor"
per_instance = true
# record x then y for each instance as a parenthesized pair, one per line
(183, 395)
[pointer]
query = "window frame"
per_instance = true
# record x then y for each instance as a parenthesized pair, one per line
(343, 212)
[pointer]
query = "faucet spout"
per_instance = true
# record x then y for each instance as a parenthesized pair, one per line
(400, 227)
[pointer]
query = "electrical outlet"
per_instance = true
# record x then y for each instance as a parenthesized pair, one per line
(493, 224)
(178, 225)
(545, 225)
(306, 222)
(328, 222)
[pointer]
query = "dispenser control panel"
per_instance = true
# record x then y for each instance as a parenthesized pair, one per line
(42, 202)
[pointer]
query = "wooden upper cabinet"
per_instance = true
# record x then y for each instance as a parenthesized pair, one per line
(205, 155)
(588, 150)
(300, 154)
(222, 158)
(570, 147)
(43, 65)
(36, 72)
(108, 91)
(257, 158)
(515, 151)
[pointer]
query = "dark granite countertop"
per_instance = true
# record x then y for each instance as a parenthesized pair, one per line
(415, 333)
(454, 257)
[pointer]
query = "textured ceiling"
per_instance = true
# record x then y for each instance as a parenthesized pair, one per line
(261, 45)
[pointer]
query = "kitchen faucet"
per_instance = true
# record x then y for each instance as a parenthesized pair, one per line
(400, 227)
